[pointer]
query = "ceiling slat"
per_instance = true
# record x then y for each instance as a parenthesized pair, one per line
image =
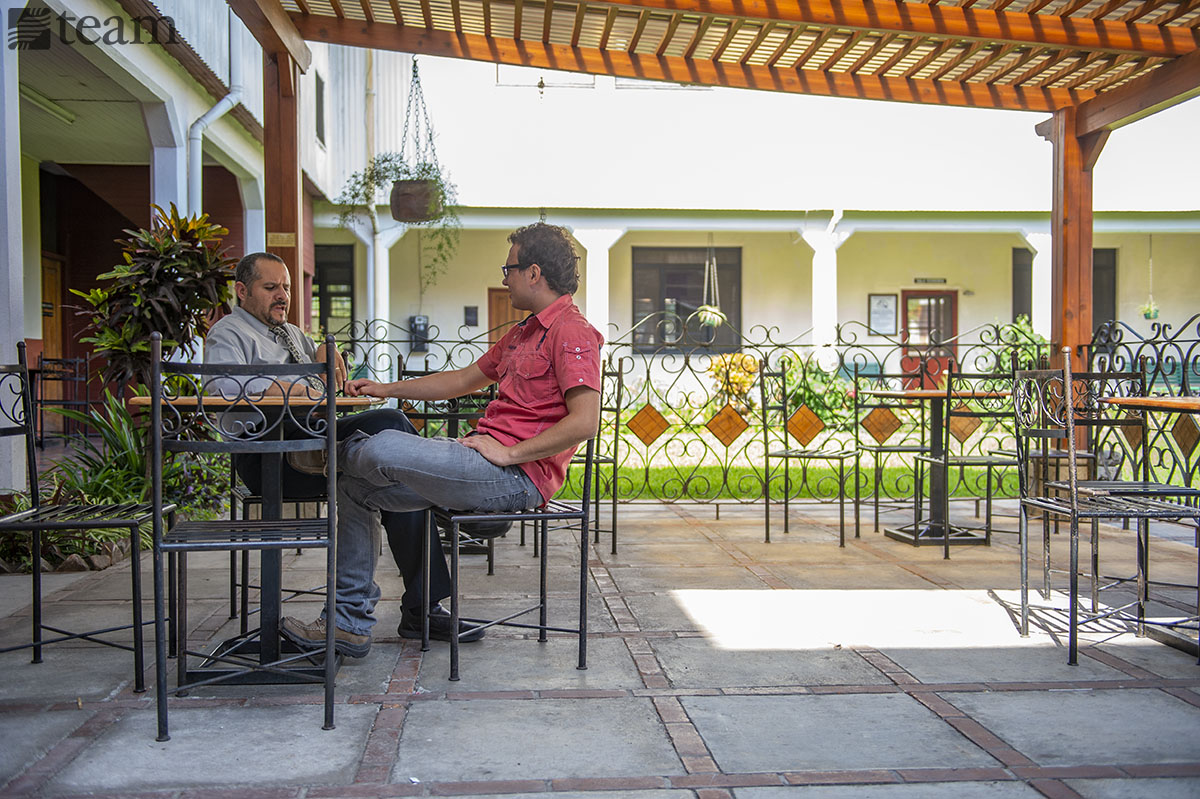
(1106, 64)
(986, 62)
(929, 58)
(957, 61)
(609, 19)
(682, 70)
(336, 5)
(580, 10)
(701, 29)
(1029, 55)
(1036, 6)
(518, 10)
(547, 17)
(366, 9)
(732, 31)
(1031, 75)
(942, 22)
(1064, 71)
(763, 33)
(487, 17)
(785, 45)
(1106, 9)
(872, 51)
(643, 18)
(812, 48)
(1072, 7)
(901, 54)
(838, 54)
(672, 25)
(1145, 9)
(427, 13)
(456, 12)
(397, 14)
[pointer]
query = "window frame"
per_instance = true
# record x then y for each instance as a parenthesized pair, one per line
(653, 257)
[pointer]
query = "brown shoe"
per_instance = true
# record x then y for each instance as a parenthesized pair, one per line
(312, 636)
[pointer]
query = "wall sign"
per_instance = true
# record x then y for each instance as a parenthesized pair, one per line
(881, 314)
(929, 280)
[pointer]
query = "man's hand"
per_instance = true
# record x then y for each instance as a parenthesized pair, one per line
(364, 386)
(339, 366)
(489, 448)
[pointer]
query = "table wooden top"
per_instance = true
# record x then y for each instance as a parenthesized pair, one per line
(1177, 404)
(934, 393)
(264, 402)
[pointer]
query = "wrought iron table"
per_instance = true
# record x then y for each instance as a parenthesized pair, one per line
(933, 530)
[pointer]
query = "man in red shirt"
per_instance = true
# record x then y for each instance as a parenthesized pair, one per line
(548, 370)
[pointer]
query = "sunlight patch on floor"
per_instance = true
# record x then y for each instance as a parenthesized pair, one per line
(820, 619)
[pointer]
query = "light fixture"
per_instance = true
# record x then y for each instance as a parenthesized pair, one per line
(41, 101)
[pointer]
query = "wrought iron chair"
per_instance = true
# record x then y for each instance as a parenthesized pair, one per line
(608, 440)
(222, 408)
(977, 405)
(1052, 404)
(565, 515)
(70, 377)
(805, 425)
(896, 427)
(16, 419)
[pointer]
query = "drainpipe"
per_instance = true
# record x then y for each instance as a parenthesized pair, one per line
(196, 131)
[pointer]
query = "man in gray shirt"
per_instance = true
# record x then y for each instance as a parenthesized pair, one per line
(257, 332)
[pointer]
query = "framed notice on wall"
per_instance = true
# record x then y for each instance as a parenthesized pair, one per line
(881, 314)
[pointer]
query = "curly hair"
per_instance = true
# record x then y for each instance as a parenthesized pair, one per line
(550, 247)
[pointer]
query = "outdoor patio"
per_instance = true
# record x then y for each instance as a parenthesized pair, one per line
(719, 666)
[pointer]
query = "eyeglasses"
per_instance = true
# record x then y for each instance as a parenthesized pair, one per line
(509, 267)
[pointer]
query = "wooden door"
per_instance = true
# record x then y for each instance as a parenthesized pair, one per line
(501, 314)
(52, 331)
(930, 318)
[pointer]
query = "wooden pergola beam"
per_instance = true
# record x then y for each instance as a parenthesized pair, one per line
(1166, 86)
(677, 69)
(891, 16)
(273, 29)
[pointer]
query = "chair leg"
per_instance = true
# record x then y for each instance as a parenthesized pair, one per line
(160, 647)
(1023, 548)
(841, 503)
(878, 477)
(233, 583)
(173, 600)
(612, 487)
(181, 612)
(543, 578)
(1073, 630)
(1143, 574)
(35, 544)
(331, 660)
(987, 519)
(135, 570)
(431, 539)
(454, 612)
(857, 499)
(244, 595)
(767, 500)
(491, 556)
(583, 604)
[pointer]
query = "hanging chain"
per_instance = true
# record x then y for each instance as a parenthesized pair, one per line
(423, 151)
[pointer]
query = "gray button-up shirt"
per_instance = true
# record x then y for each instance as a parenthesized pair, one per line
(239, 338)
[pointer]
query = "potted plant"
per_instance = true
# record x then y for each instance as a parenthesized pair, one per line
(1149, 309)
(172, 279)
(421, 195)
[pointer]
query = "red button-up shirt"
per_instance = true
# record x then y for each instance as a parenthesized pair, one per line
(536, 363)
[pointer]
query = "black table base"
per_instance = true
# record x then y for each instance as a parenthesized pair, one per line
(929, 532)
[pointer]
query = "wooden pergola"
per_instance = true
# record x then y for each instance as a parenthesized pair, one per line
(1095, 65)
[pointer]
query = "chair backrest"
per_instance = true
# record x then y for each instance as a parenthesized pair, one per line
(1052, 404)
(612, 394)
(16, 413)
(239, 408)
(448, 415)
(889, 421)
(785, 412)
(978, 405)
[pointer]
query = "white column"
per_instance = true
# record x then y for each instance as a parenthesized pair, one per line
(825, 243)
(12, 327)
(168, 156)
(254, 214)
(597, 242)
(380, 274)
(1042, 275)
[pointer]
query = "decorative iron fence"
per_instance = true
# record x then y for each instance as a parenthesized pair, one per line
(685, 420)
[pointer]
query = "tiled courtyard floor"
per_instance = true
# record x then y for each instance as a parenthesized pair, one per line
(720, 667)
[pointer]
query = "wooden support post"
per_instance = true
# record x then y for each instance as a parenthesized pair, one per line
(281, 147)
(1071, 231)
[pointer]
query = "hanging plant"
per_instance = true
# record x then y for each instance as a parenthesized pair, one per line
(710, 313)
(418, 189)
(1149, 309)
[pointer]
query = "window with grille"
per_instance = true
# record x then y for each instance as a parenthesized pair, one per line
(668, 286)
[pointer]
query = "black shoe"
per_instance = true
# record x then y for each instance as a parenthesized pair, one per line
(439, 626)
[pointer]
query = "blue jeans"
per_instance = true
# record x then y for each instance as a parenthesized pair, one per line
(397, 471)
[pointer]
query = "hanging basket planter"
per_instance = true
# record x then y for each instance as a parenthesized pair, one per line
(710, 315)
(416, 200)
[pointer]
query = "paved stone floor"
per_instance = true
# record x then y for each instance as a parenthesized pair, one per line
(719, 667)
